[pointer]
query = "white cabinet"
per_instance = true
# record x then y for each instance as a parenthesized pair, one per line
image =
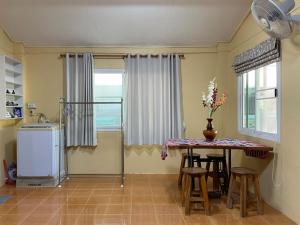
(11, 88)
(38, 151)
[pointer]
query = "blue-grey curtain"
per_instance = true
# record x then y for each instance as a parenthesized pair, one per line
(80, 128)
(152, 95)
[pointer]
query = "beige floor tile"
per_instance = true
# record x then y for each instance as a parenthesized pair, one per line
(198, 220)
(120, 199)
(118, 209)
(37, 220)
(98, 200)
(22, 209)
(47, 209)
(102, 192)
(146, 199)
(138, 209)
(224, 219)
(89, 220)
(4, 209)
(143, 219)
(63, 220)
(278, 219)
(12, 219)
(168, 209)
(116, 219)
(71, 209)
(77, 200)
(142, 199)
(81, 193)
(170, 220)
(94, 209)
(255, 220)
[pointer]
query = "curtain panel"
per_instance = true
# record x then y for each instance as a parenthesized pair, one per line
(152, 97)
(265, 53)
(80, 128)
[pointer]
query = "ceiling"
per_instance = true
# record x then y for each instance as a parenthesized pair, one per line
(122, 22)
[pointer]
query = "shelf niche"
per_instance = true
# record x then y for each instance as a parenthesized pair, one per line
(11, 88)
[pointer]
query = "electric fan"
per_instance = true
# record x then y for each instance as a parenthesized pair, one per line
(273, 16)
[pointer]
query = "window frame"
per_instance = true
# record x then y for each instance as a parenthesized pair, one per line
(113, 71)
(254, 132)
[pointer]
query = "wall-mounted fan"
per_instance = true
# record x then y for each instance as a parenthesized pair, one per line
(273, 16)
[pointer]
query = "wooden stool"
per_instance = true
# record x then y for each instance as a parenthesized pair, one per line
(184, 157)
(219, 171)
(244, 174)
(189, 195)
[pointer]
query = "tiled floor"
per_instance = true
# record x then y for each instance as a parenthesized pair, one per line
(145, 200)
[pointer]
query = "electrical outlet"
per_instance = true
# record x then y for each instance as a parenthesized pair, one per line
(31, 105)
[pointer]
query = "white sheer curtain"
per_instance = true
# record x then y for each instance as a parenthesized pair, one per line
(80, 125)
(153, 108)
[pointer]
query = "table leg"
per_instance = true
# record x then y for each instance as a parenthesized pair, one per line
(229, 163)
(189, 157)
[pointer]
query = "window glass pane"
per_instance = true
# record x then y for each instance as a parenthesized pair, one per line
(251, 100)
(266, 117)
(245, 102)
(108, 115)
(267, 77)
(108, 88)
(259, 100)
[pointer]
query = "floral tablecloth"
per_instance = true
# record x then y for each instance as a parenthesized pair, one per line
(251, 148)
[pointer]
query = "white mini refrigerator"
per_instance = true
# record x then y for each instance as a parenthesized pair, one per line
(38, 153)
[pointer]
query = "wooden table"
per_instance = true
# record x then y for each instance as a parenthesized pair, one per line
(252, 149)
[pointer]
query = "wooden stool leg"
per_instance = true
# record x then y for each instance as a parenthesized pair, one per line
(203, 188)
(243, 196)
(184, 188)
(230, 190)
(260, 208)
(216, 181)
(182, 165)
(188, 195)
(207, 170)
(199, 162)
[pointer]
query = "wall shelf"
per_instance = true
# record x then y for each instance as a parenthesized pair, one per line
(11, 80)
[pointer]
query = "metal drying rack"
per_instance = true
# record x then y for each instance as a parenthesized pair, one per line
(62, 104)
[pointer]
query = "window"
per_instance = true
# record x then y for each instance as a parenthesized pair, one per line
(259, 102)
(108, 88)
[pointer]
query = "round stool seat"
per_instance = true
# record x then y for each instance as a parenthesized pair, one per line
(243, 171)
(194, 171)
(194, 155)
(215, 156)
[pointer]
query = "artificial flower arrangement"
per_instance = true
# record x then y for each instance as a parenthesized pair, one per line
(211, 100)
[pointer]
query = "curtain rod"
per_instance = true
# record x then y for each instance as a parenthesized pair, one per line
(118, 55)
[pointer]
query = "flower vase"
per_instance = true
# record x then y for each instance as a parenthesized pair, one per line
(210, 133)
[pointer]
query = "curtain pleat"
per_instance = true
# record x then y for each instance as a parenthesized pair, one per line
(80, 122)
(153, 107)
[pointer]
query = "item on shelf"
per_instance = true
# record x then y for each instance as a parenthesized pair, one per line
(8, 103)
(13, 92)
(18, 112)
(7, 91)
(7, 115)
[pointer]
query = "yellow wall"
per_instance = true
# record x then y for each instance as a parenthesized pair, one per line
(7, 128)
(44, 86)
(282, 191)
